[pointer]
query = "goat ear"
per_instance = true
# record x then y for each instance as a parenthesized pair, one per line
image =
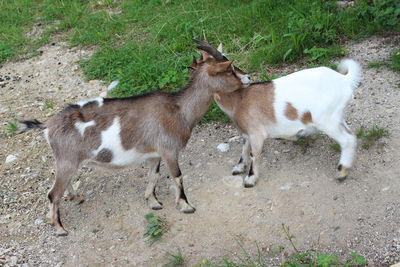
(220, 47)
(205, 55)
(219, 67)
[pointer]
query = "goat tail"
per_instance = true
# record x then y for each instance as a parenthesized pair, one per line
(24, 126)
(352, 71)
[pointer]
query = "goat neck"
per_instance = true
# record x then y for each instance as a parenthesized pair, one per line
(195, 99)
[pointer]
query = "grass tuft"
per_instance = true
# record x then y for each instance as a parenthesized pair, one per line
(175, 260)
(11, 129)
(371, 136)
(304, 144)
(335, 147)
(375, 64)
(309, 258)
(314, 258)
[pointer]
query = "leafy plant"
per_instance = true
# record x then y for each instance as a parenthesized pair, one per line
(385, 13)
(376, 16)
(371, 136)
(156, 227)
(356, 260)
(319, 53)
(49, 104)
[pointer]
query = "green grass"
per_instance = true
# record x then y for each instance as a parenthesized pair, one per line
(299, 258)
(335, 146)
(95, 230)
(375, 64)
(307, 258)
(304, 144)
(147, 44)
(369, 137)
(11, 129)
(395, 60)
(313, 258)
(156, 227)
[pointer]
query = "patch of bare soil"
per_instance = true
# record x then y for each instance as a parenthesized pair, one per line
(298, 189)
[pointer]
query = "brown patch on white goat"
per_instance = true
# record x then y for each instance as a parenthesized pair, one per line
(306, 118)
(119, 132)
(291, 112)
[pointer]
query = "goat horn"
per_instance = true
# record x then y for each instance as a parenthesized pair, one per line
(209, 49)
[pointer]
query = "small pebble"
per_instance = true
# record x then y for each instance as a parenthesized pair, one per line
(11, 158)
(223, 147)
(286, 187)
(38, 221)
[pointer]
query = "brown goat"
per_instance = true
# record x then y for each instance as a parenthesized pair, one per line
(117, 132)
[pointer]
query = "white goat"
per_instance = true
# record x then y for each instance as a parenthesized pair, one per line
(291, 107)
(120, 132)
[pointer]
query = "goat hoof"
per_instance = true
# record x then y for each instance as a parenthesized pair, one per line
(79, 200)
(341, 178)
(343, 173)
(189, 211)
(61, 232)
(238, 169)
(246, 185)
(249, 181)
(154, 204)
(186, 208)
(76, 197)
(235, 172)
(157, 207)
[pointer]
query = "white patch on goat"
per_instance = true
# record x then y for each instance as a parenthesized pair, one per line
(46, 135)
(81, 126)
(244, 78)
(111, 139)
(99, 101)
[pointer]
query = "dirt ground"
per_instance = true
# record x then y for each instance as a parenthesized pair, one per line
(297, 189)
